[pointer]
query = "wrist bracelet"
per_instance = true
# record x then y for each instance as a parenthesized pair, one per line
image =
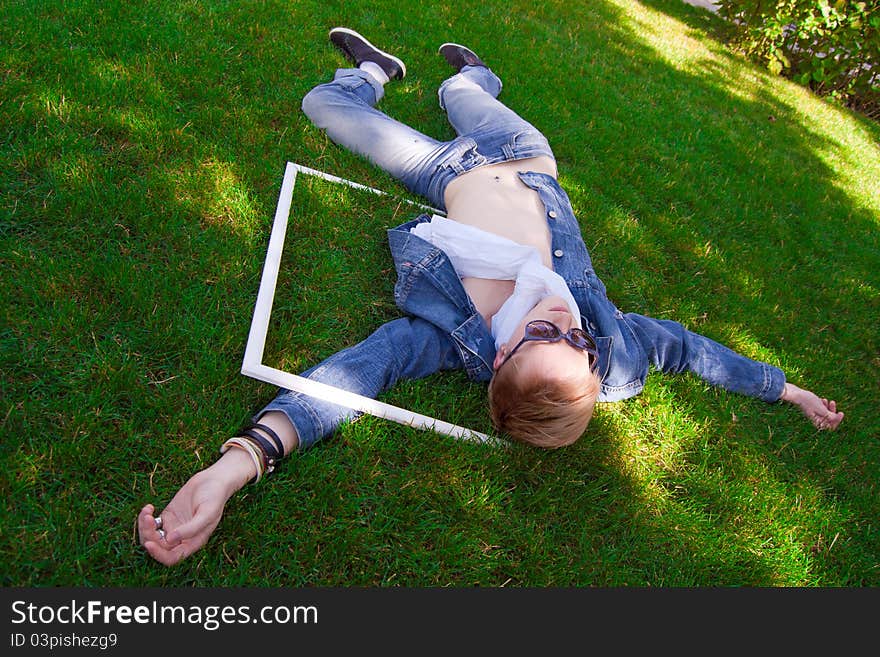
(274, 436)
(248, 447)
(267, 450)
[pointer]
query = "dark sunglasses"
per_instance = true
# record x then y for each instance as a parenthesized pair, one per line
(541, 330)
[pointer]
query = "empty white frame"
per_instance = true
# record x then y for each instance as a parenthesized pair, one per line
(252, 364)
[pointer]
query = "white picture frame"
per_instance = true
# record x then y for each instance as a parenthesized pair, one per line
(252, 363)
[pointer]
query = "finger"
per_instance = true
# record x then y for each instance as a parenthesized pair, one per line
(148, 510)
(164, 555)
(188, 530)
(832, 406)
(147, 525)
(831, 420)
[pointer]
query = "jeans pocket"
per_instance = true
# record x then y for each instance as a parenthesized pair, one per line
(463, 156)
(529, 143)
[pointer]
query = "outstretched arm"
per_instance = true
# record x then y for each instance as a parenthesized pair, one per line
(673, 348)
(403, 348)
(820, 411)
(195, 511)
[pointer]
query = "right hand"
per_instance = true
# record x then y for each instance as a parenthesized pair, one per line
(195, 511)
(188, 520)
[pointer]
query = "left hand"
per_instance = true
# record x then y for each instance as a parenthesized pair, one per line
(821, 412)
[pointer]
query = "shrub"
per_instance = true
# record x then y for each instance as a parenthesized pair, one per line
(831, 46)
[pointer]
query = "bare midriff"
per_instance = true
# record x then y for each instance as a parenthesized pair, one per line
(494, 199)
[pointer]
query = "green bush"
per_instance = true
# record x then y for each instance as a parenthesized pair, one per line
(833, 47)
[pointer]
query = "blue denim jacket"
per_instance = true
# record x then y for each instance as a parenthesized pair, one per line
(443, 330)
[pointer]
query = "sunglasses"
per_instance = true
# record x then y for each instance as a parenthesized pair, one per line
(540, 330)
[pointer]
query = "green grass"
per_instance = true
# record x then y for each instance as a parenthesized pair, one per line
(142, 151)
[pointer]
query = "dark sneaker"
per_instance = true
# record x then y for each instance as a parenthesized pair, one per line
(359, 50)
(458, 56)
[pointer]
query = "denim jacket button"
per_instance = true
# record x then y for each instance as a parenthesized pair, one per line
(558, 253)
(552, 214)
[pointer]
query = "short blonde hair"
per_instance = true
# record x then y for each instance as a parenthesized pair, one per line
(541, 411)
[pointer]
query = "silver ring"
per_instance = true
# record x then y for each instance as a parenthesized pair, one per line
(158, 520)
(162, 534)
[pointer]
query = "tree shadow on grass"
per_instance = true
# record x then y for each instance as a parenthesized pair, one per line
(751, 289)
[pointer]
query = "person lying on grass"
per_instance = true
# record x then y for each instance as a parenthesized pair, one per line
(503, 288)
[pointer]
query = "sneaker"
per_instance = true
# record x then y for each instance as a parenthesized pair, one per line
(458, 56)
(358, 49)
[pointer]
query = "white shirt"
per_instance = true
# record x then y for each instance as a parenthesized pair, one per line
(479, 254)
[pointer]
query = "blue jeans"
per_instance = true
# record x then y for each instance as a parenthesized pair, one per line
(488, 132)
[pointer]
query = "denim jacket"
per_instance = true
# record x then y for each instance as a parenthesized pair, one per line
(443, 330)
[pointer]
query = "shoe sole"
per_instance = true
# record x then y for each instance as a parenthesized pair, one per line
(345, 30)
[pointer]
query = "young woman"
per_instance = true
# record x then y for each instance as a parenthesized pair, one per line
(503, 287)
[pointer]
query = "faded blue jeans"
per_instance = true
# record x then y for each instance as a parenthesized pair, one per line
(488, 132)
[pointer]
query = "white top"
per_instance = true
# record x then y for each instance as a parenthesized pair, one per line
(479, 254)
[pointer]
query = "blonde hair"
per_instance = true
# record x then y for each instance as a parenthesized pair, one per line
(542, 411)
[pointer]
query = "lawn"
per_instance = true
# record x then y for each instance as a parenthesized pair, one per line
(143, 147)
